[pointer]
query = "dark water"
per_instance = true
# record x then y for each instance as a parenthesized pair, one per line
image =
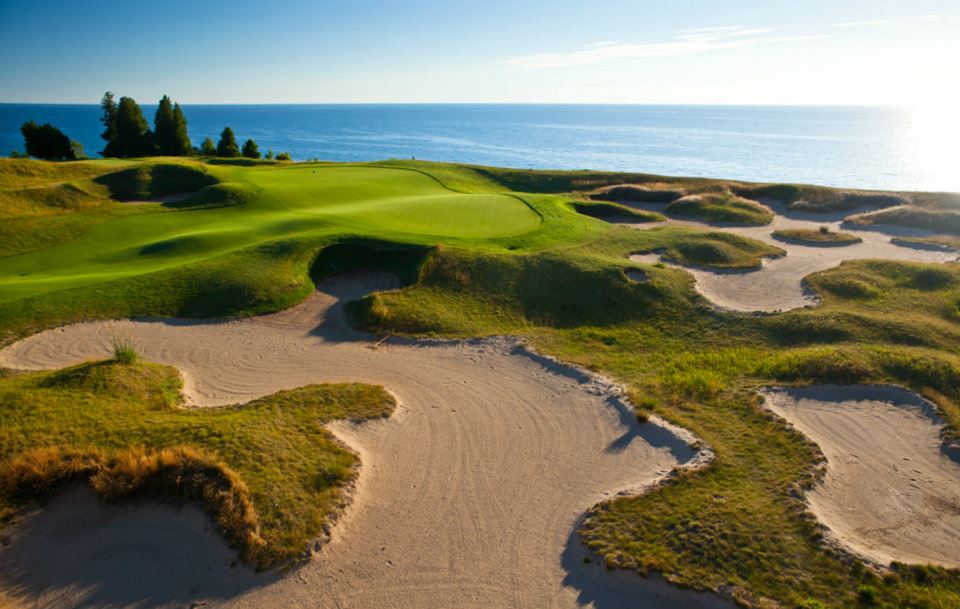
(864, 147)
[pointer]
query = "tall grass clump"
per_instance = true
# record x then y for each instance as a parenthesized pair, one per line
(125, 353)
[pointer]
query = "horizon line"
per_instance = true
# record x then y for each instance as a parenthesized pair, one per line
(701, 104)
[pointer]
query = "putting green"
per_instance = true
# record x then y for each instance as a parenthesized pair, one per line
(279, 201)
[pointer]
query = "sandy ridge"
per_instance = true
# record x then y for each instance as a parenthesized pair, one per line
(468, 495)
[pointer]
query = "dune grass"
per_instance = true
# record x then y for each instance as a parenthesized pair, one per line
(942, 242)
(267, 471)
(911, 216)
(824, 236)
(723, 208)
(484, 251)
(615, 212)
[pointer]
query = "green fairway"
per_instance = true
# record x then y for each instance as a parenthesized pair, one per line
(278, 201)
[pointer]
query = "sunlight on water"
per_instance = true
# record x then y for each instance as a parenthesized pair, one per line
(933, 145)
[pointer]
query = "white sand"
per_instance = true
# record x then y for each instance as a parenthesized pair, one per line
(467, 497)
(778, 284)
(889, 493)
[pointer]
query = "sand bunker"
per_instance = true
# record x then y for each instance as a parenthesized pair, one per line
(890, 492)
(468, 496)
(778, 284)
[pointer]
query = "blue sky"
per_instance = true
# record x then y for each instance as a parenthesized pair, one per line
(563, 51)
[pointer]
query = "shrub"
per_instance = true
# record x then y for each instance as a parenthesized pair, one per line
(929, 279)
(46, 142)
(867, 595)
(283, 156)
(124, 353)
(208, 148)
(227, 146)
(250, 149)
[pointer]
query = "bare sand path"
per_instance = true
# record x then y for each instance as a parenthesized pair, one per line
(467, 497)
(778, 284)
(890, 492)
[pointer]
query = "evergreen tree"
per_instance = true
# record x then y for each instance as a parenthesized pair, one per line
(227, 146)
(208, 148)
(46, 142)
(183, 145)
(109, 120)
(250, 150)
(163, 130)
(133, 136)
(170, 130)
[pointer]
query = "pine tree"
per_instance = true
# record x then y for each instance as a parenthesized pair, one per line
(208, 148)
(133, 136)
(227, 146)
(109, 120)
(250, 149)
(170, 130)
(181, 138)
(163, 129)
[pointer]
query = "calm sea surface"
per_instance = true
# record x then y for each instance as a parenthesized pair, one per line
(884, 148)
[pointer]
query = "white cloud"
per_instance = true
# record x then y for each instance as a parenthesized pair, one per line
(602, 43)
(687, 42)
(875, 23)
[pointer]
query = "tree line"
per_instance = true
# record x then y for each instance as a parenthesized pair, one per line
(127, 134)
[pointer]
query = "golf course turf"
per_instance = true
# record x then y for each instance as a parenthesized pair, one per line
(482, 252)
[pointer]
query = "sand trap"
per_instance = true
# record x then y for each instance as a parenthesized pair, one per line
(778, 284)
(890, 492)
(468, 496)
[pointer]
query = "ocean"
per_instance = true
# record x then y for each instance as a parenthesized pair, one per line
(861, 147)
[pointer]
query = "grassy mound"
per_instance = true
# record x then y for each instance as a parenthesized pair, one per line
(824, 236)
(818, 199)
(637, 193)
(614, 212)
(938, 220)
(152, 180)
(936, 242)
(721, 208)
(268, 471)
(714, 250)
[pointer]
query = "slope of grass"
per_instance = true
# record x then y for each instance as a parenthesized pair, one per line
(942, 242)
(615, 212)
(808, 236)
(911, 216)
(723, 208)
(267, 471)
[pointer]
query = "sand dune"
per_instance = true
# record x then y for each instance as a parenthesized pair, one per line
(890, 492)
(467, 497)
(778, 284)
